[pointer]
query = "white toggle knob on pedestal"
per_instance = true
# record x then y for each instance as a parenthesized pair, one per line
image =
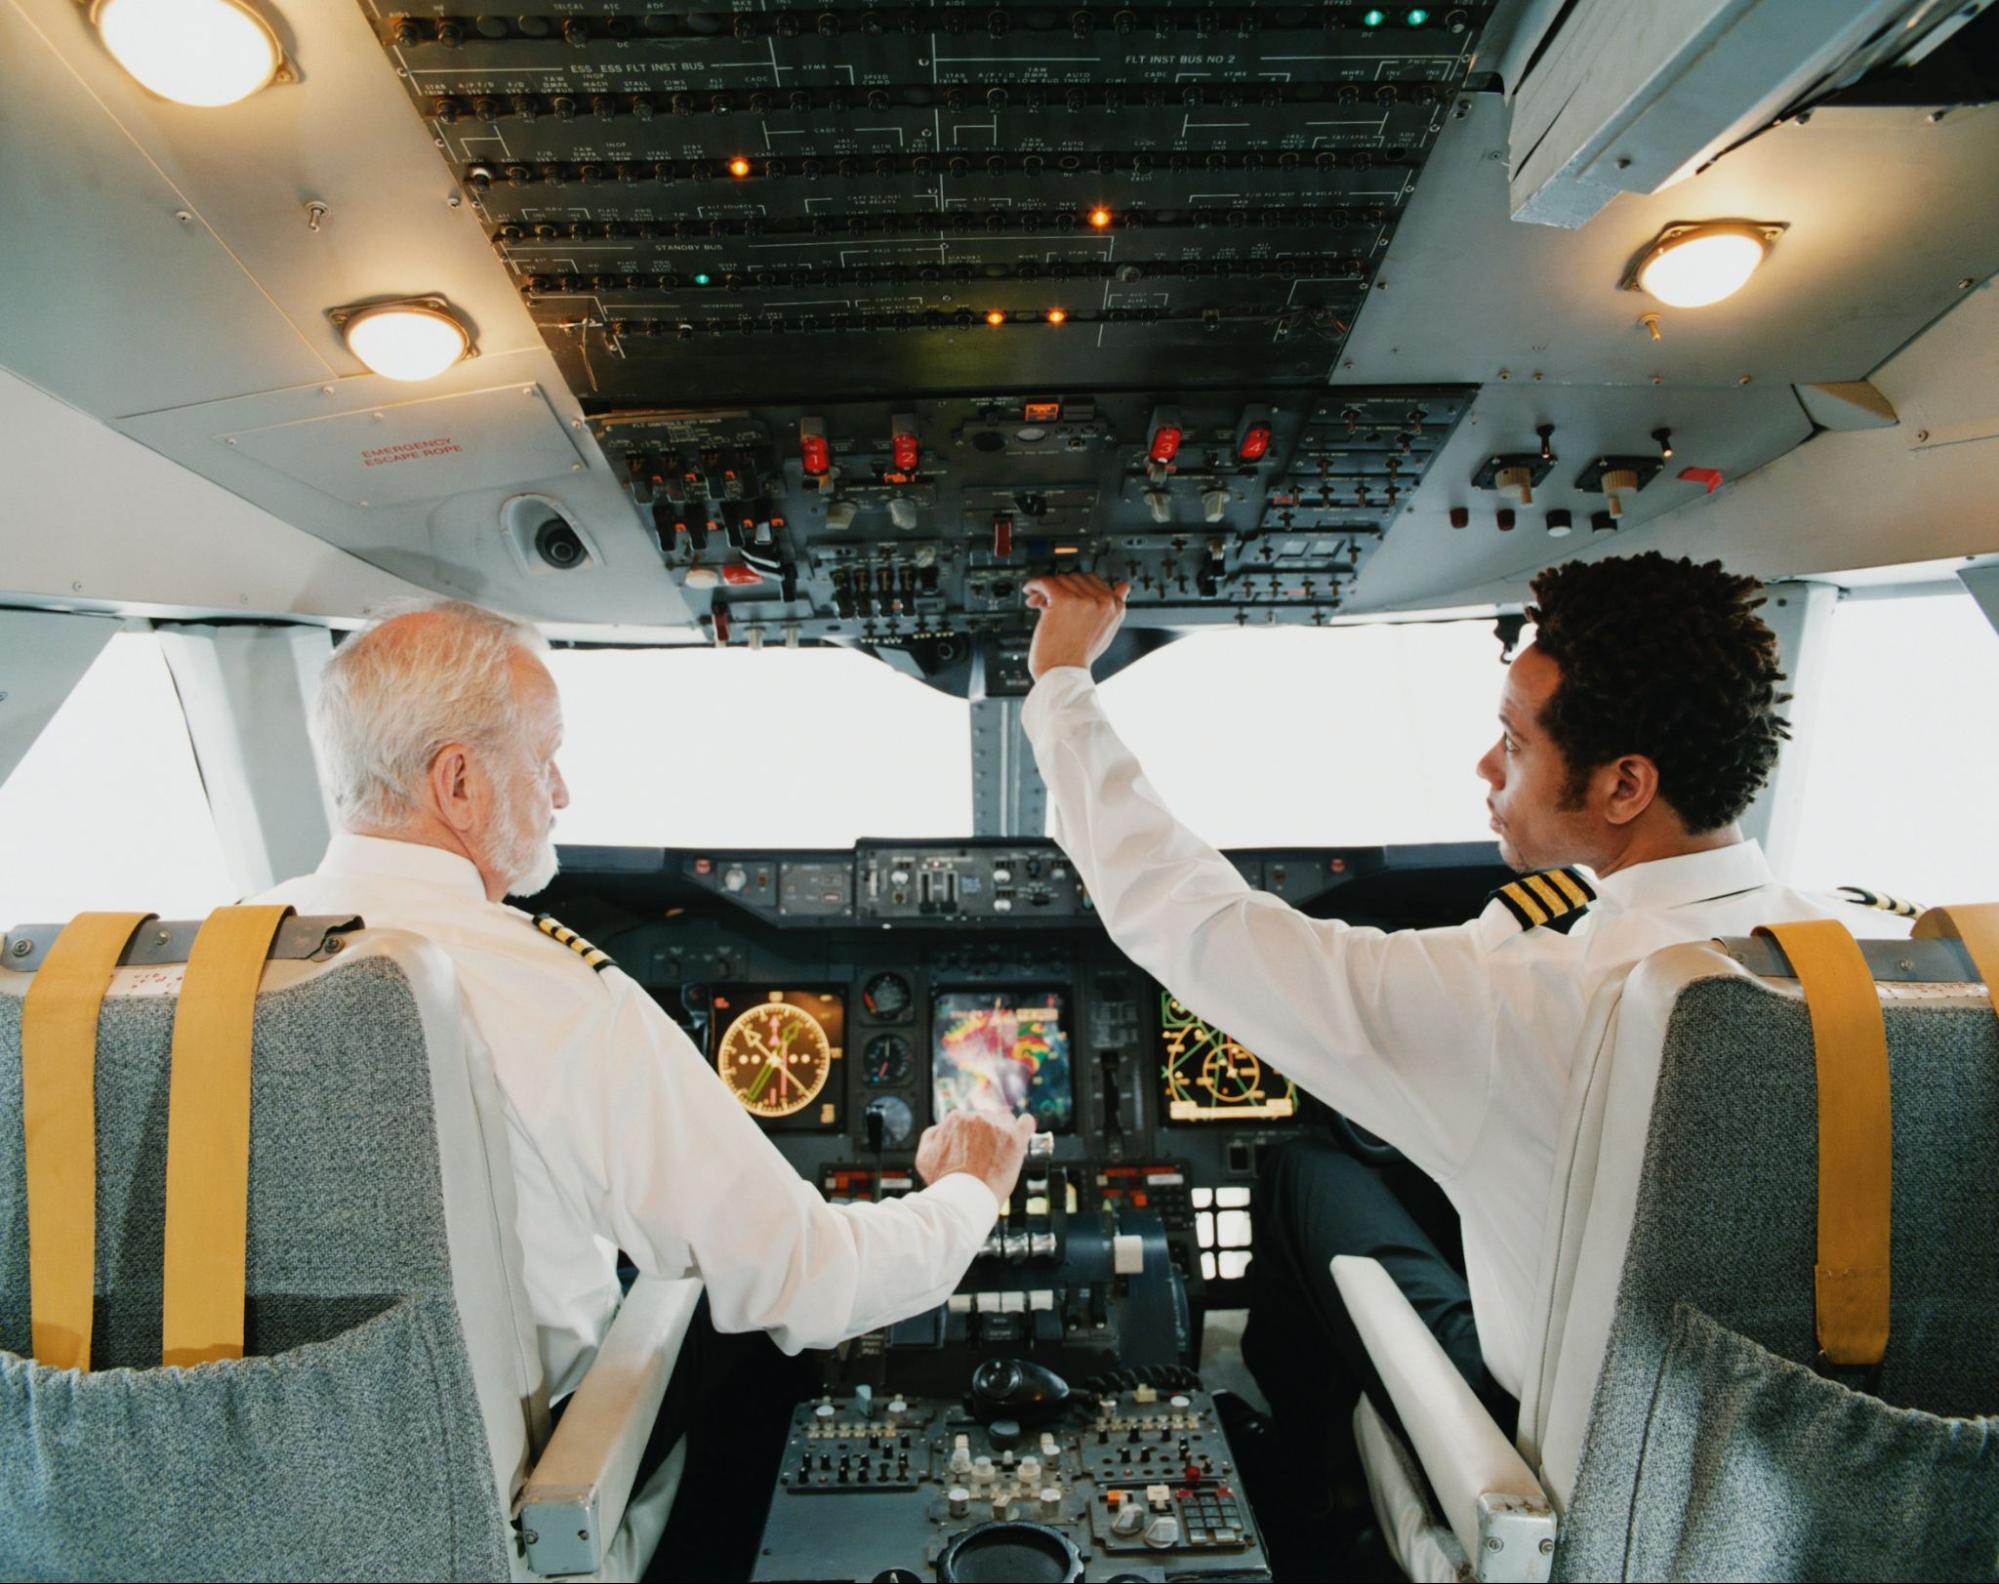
(1163, 1534)
(1130, 1518)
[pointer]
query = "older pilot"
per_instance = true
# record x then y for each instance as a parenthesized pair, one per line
(437, 732)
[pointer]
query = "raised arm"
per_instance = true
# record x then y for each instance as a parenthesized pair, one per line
(1392, 1029)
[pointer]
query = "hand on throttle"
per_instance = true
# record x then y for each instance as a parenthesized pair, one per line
(989, 1145)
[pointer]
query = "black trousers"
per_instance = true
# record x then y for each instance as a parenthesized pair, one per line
(1317, 1201)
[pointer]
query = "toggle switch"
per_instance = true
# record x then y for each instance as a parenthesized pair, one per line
(1160, 504)
(902, 512)
(1214, 505)
(1615, 482)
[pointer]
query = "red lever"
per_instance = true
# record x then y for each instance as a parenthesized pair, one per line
(1002, 535)
(1711, 477)
(721, 624)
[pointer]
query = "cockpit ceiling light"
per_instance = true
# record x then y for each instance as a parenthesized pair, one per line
(1691, 266)
(194, 52)
(407, 341)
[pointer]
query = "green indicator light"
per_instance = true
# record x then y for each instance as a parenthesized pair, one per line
(1373, 18)
(702, 279)
(1417, 17)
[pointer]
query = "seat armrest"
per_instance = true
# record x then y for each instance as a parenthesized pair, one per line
(575, 1497)
(1489, 1496)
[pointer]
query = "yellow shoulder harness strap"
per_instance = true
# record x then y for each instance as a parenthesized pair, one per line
(59, 1130)
(1856, 1138)
(1977, 925)
(208, 1137)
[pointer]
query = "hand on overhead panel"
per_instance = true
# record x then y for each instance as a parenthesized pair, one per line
(1080, 614)
(989, 1145)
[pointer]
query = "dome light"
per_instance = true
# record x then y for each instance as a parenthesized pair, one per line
(194, 52)
(407, 340)
(1691, 266)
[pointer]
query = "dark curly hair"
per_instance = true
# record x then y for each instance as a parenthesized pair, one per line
(1666, 659)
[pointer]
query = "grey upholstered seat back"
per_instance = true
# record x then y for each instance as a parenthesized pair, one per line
(1712, 1450)
(350, 1441)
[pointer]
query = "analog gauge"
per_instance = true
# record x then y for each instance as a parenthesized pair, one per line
(886, 1061)
(897, 1120)
(886, 996)
(775, 1058)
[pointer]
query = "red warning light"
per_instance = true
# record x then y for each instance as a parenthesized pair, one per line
(814, 450)
(1165, 444)
(739, 167)
(1254, 444)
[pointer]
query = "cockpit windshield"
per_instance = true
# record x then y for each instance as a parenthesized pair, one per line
(733, 747)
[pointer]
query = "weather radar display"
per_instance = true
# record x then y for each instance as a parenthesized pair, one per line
(1208, 1077)
(1002, 1050)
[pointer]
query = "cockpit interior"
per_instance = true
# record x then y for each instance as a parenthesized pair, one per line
(733, 344)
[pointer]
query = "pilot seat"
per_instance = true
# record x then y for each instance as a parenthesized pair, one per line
(379, 1410)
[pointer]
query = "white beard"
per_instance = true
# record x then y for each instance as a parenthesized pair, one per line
(536, 871)
(528, 862)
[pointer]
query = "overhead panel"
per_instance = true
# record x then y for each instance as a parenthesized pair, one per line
(812, 200)
(883, 310)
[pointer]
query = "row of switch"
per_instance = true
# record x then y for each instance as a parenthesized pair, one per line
(970, 217)
(952, 162)
(489, 107)
(1280, 267)
(955, 21)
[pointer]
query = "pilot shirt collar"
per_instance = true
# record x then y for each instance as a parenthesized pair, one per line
(381, 858)
(1691, 877)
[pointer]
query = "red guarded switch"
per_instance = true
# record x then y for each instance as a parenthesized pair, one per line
(904, 447)
(815, 451)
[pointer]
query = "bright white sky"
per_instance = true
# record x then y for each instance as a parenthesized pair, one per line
(1257, 737)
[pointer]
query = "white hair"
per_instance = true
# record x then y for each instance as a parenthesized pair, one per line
(390, 700)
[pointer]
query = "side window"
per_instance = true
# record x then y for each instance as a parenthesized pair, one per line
(106, 811)
(1905, 757)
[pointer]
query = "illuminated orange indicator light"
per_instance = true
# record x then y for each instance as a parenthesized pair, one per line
(1058, 316)
(739, 166)
(1100, 217)
(995, 317)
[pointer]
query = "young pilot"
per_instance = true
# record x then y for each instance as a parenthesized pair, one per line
(1634, 732)
(437, 731)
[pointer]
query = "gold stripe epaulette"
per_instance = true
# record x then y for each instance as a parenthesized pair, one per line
(1548, 896)
(556, 930)
(1881, 900)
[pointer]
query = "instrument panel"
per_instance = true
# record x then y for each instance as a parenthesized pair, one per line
(851, 999)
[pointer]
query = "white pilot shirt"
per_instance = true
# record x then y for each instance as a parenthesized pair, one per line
(623, 1137)
(1454, 1045)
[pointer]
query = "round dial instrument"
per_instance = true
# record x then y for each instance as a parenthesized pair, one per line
(897, 1120)
(775, 1058)
(886, 1061)
(887, 997)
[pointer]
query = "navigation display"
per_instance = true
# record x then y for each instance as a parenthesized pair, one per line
(1208, 1077)
(1002, 1050)
(777, 1049)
